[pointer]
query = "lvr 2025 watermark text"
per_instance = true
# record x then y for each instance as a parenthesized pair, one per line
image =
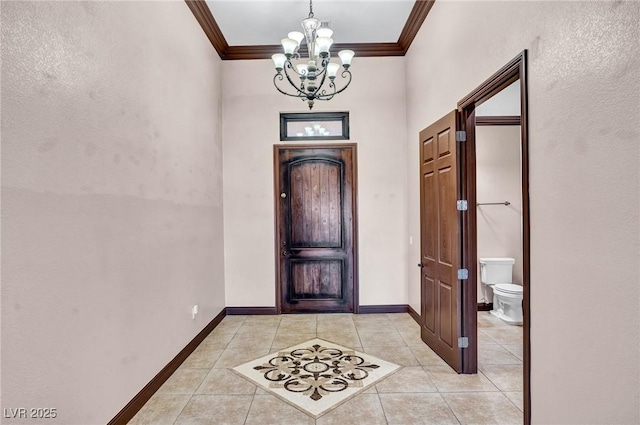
(30, 412)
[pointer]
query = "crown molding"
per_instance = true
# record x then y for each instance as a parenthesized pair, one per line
(206, 20)
(265, 51)
(417, 16)
(203, 15)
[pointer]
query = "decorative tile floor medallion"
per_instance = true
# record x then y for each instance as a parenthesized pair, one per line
(317, 375)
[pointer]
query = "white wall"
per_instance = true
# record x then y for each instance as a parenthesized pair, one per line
(584, 75)
(376, 102)
(498, 179)
(111, 200)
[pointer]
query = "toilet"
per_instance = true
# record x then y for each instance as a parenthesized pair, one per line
(496, 276)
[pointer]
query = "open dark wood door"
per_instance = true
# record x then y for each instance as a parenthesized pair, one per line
(440, 240)
(315, 227)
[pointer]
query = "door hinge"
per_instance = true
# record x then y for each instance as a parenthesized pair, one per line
(462, 205)
(461, 136)
(463, 342)
(463, 274)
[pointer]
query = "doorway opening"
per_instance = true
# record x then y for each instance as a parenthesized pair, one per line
(513, 75)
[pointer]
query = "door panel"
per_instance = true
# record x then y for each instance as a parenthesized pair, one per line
(430, 216)
(440, 240)
(315, 204)
(427, 150)
(444, 143)
(429, 304)
(446, 181)
(446, 322)
(316, 279)
(315, 228)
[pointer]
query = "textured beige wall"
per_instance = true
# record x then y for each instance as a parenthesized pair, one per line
(111, 200)
(498, 177)
(584, 75)
(376, 102)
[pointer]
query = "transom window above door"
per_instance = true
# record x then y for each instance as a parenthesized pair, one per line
(314, 126)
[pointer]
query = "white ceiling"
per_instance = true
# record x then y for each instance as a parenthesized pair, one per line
(260, 22)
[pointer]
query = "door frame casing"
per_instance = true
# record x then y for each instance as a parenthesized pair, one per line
(354, 202)
(513, 71)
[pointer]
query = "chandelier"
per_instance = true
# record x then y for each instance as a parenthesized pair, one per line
(308, 79)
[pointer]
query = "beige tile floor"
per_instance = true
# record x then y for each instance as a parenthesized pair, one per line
(425, 391)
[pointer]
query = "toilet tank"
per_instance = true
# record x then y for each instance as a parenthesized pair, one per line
(496, 270)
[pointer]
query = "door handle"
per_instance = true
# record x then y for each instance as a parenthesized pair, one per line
(287, 252)
(421, 265)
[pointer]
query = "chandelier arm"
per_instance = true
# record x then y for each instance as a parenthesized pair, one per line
(324, 62)
(279, 76)
(323, 73)
(295, 56)
(293, 68)
(335, 92)
(301, 92)
(327, 96)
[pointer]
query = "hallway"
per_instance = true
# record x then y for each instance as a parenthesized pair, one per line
(204, 390)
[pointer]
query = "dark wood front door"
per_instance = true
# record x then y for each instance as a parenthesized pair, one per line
(440, 240)
(315, 228)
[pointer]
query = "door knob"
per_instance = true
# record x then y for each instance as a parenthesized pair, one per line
(285, 253)
(421, 265)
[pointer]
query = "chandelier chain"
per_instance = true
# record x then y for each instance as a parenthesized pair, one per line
(311, 8)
